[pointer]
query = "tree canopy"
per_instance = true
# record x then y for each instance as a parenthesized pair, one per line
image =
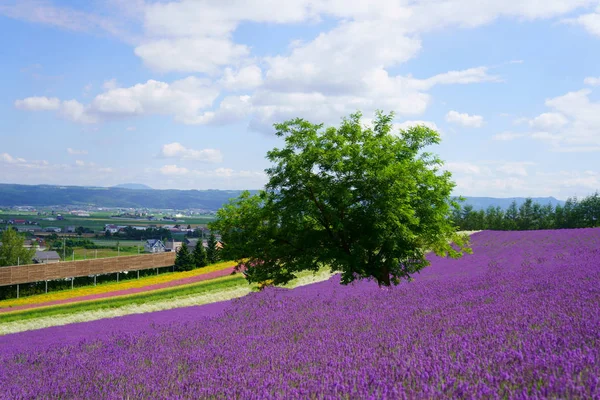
(12, 251)
(366, 202)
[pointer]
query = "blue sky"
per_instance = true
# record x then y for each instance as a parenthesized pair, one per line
(183, 94)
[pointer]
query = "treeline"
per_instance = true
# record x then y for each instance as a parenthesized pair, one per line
(531, 215)
(130, 233)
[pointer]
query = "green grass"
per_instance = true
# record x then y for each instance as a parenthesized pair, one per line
(122, 242)
(209, 286)
(90, 254)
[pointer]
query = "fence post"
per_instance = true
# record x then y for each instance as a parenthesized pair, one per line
(138, 274)
(17, 290)
(117, 277)
(72, 279)
(156, 271)
(95, 279)
(46, 286)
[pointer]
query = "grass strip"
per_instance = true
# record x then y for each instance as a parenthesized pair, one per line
(113, 286)
(212, 285)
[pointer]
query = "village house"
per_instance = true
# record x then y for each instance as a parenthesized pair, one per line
(28, 228)
(111, 228)
(173, 245)
(46, 257)
(154, 246)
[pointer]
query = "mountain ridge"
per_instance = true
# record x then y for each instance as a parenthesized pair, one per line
(209, 199)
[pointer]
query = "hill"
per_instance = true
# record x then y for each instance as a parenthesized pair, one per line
(133, 186)
(141, 196)
(47, 195)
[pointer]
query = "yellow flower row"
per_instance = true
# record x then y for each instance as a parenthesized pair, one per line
(113, 286)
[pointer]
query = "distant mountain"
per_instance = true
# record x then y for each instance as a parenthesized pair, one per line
(481, 203)
(133, 186)
(144, 197)
(49, 195)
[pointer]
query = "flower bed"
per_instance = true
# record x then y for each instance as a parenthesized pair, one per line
(518, 318)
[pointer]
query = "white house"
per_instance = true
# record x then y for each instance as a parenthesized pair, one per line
(111, 228)
(154, 246)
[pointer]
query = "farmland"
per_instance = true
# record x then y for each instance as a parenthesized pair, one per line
(518, 318)
(97, 220)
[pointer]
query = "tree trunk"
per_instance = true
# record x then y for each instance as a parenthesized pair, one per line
(384, 279)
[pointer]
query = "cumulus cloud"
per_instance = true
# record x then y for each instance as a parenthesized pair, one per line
(337, 72)
(572, 124)
(590, 22)
(464, 119)
(38, 104)
(181, 99)
(191, 54)
(177, 150)
(245, 78)
(549, 121)
(592, 81)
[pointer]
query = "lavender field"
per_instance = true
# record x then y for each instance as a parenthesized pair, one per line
(520, 318)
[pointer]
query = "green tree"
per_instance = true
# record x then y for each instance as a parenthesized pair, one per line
(212, 251)
(366, 202)
(183, 259)
(511, 217)
(12, 251)
(199, 256)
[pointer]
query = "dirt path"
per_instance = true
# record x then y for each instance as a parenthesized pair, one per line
(178, 282)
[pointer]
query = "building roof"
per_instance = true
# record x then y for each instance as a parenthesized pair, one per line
(153, 242)
(46, 255)
(191, 242)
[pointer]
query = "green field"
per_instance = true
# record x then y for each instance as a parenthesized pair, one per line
(88, 254)
(98, 220)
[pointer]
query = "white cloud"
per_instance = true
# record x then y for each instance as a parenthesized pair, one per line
(191, 54)
(38, 104)
(245, 78)
(582, 130)
(131, 128)
(76, 152)
(177, 150)
(465, 168)
(592, 81)
(173, 170)
(182, 99)
(590, 22)
(110, 84)
(80, 163)
(472, 121)
(549, 121)
(77, 112)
